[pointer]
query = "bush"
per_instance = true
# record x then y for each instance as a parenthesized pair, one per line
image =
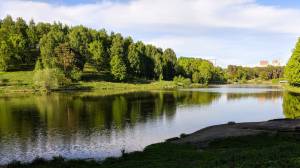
(181, 81)
(76, 74)
(49, 79)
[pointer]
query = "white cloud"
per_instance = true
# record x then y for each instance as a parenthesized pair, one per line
(162, 13)
(175, 19)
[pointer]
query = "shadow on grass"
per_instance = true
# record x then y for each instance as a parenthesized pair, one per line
(276, 151)
(107, 77)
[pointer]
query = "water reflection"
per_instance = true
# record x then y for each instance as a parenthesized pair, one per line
(291, 105)
(262, 96)
(77, 126)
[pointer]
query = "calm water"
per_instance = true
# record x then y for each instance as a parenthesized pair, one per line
(81, 126)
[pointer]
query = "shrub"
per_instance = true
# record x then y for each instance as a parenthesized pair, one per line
(181, 81)
(49, 79)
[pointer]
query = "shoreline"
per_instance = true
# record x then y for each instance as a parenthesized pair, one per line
(111, 88)
(206, 135)
(199, 143)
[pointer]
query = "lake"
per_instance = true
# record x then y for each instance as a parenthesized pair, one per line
(77, 125)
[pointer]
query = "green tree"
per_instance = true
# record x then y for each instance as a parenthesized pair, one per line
(169, 63)
(291, 105)
(118, 68)
(292, 68)
(117, 63)
(158, 65)
(5, 55)
(48, 43)
(79, 38)
(99, 57)
(136, 58)
(68, 61)
(33, 41)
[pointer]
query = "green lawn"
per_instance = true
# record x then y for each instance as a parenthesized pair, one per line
(251, 151)
(292, 89)
(16, 78)
(16, 82)
(22, 82)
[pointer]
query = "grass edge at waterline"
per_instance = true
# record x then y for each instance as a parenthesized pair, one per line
(278, 150)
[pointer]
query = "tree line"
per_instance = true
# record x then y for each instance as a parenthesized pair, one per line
(68, 49)
(239, 73)
(58, 52)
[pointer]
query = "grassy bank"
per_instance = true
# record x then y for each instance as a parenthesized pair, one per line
(281, 150)
(21, 82)
(292, 89)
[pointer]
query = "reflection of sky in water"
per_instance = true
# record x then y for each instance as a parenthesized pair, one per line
(236, 89)
(131, 121)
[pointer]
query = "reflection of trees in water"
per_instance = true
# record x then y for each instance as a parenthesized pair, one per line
(271, 95)
(48, 121)
(69, 113)
(18, 116)
(291, 105)
(196, 98)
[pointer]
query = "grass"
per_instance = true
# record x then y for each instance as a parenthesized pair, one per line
(281, 150)
(292, 89)
(22, 82)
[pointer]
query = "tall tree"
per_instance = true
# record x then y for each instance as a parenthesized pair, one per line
(134, 60)
(48, 43)
(169, 63)
(117, 63)
(68, 61)
(99, 57)
(33, 41)
(292, 68)
(80, 38)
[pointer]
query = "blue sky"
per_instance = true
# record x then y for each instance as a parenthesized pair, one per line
(239, 32)
(282, 3)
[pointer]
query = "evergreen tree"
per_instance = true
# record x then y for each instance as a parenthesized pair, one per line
(118, 68)
(79, 39)
(134, 59)
(117, 63)
(99, 57)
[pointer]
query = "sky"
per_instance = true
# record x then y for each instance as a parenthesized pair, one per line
(240, 32)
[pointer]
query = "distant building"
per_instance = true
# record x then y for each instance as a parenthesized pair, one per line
(263, 63)
(275, 63)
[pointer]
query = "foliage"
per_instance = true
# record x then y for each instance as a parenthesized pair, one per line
(181, 81)
(292, 68)
(49, 79)
(239, 73)
(200, 70)
(68, 61)
(291, 105)
(99, 57)
(169, 62)
(48, 43)
(135, 54)
(57, 46)
(117, 63)
(118, 68)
